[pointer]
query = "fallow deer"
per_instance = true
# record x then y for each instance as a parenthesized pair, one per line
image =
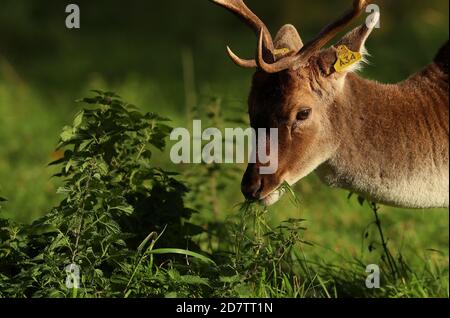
(386, 142)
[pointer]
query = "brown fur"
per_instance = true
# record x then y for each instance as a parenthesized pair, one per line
(379, 140)
(399, 133)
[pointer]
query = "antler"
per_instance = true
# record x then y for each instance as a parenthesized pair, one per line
(241, 62)
(265, 57)
(327, 34)
(239, 8)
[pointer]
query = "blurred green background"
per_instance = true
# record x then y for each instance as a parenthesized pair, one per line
(169, 56)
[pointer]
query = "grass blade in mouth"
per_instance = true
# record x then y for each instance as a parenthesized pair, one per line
(287, 188)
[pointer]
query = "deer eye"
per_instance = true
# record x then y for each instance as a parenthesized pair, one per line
(304, 114)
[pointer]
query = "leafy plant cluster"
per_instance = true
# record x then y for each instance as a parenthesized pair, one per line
(123, 223)
(265, 260)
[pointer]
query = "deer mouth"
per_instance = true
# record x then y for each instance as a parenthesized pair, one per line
(272, 197)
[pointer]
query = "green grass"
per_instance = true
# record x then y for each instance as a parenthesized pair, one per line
(330, 272)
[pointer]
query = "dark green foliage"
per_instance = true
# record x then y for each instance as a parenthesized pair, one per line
(113, 199)
(262, 258)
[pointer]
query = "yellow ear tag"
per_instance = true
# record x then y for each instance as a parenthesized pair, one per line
(346, 58)
(282, 51)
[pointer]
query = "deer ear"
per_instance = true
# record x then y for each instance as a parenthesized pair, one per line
(287, 42)
(354, 41)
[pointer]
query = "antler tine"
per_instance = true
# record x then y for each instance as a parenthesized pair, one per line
(239, 8)
(331, 30)
(327, 34)
(241, 62)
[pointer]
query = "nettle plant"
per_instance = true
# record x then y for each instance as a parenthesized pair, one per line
(115, 204)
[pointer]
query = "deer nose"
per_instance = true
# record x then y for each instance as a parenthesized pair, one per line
(253, 190)
(251, 186)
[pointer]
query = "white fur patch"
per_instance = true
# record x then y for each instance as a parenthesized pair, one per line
(272, 198)
(360, 65)
(425, 189)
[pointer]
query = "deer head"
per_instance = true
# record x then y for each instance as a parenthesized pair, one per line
(296, 89)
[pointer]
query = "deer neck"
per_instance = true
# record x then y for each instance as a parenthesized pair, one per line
(392, 140)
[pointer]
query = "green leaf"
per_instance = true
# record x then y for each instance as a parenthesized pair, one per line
(78, 119)
(91, 101)
(230, 279)
(103, 168)
(127, 209)
(67, 134)
(194, 280)
(98, 91)
(182, 252)
(111, 94)
(69, 164)
(57, 162)
(63, 190)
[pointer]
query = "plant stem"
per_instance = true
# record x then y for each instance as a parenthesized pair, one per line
(390, 259)
(80, 227)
